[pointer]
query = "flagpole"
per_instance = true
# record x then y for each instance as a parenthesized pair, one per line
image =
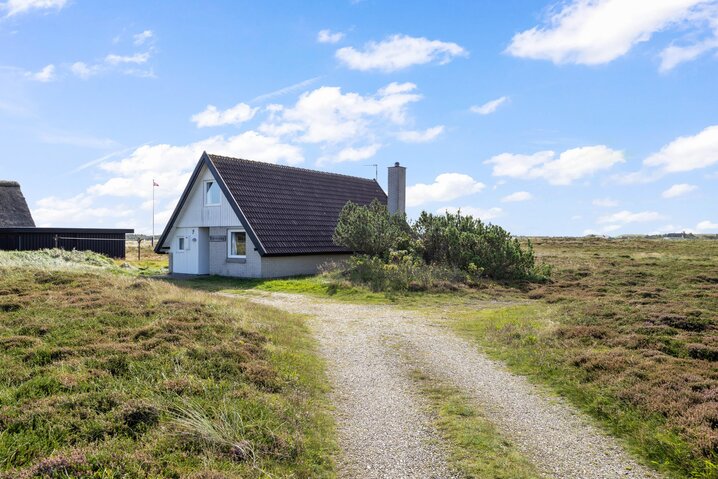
(153, 212)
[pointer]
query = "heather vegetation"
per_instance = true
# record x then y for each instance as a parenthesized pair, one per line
(437, 252)
(106, 374)
(627, 329)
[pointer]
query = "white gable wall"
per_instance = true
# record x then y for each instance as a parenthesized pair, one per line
(206, 229)
(196, 214)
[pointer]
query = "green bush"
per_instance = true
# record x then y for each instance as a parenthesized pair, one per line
(371, 229)
(472, 246)
(435, 249)
(403, 272)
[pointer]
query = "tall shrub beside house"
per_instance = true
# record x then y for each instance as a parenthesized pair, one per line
(436, 249)
(371, 230)
(467, 243)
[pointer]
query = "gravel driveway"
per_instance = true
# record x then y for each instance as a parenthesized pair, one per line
(383, 429)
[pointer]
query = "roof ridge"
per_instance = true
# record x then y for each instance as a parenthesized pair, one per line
(329, 173)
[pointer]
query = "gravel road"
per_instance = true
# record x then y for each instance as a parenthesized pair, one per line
(383, 429)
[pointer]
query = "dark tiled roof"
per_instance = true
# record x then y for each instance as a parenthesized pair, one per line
(14, 212)
(292, 210)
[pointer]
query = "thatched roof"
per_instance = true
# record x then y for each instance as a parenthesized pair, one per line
(14, 212)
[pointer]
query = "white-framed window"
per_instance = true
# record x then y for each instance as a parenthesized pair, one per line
(182, 243)
(212, 193)
(236, 244)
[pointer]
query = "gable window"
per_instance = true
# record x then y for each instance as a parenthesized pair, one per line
(236, 244)
(182, 243)
(211, 193)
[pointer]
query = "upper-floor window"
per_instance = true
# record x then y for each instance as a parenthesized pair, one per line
(211, 193)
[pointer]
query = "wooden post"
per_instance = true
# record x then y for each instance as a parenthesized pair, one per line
(139, 242)
(56, 240)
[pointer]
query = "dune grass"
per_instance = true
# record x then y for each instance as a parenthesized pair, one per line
(106, 374)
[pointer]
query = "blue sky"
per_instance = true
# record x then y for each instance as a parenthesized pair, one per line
(549, 118)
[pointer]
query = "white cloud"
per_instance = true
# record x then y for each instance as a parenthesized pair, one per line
(351, 154)
(328, 36)
(285, 90)
(605, 202)
(678, 190)
(171, 165)
(79, 210)
(687, 153)
(134, 65)
(446, 187)
(592, 32)
(490, 106)
(516, 197)
(569, 166)
(706, 225)
(15, 7)
(141, 38)
(482, 214)
(45, 75)
(137, 58)
(673, 55)
(83, 70)
(427, 135)
(236, 115)
(326, 115)
(695, 46)
(398, 52)
(626, 217)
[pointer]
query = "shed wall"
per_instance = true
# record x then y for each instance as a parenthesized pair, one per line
(107, 243)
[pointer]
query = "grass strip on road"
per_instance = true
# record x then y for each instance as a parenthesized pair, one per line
(476, 448)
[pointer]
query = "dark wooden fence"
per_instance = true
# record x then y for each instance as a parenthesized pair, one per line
(110, 242)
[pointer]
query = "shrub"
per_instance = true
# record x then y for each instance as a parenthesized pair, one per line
(403, 272)
(472, 246)
(371, 229)
(435, 249)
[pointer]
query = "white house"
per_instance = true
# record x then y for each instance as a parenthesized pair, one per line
(252, 219)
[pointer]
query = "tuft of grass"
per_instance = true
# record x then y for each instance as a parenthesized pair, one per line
(476, 448)
(96, 365)
(147, 263)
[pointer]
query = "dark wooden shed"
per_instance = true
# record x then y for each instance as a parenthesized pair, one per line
(18, 232)
(110, 242)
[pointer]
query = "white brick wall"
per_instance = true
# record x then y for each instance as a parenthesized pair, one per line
(281, 266)
(220, 265)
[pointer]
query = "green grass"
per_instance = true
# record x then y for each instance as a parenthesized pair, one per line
(514, 336)
(476, 449)
(327, 288)
(106, 374)
(627, 332)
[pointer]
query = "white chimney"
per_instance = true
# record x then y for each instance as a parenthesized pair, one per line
(397, 189)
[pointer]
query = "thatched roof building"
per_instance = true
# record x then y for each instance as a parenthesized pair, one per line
(14, 212)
